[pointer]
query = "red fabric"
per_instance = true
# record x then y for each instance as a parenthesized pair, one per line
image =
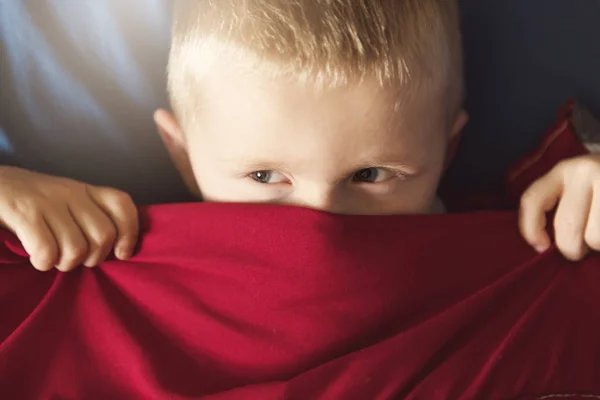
(230, 302)
(262, 302)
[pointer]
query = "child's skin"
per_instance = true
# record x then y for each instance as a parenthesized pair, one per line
(266, 141)
(63, 223)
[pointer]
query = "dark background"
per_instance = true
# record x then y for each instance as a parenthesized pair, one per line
(524, 58)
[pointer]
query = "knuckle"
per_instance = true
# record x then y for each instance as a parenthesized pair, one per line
(563, 164)
(104, 237)
(45, 255)
(107, 238)
(23, 210)
(66, 187)
(73, 255)
(585, 166)
(118, 198)
(529, 199)
(590, 163)
(52, 189)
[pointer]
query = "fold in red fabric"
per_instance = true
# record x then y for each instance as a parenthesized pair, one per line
(263, 302)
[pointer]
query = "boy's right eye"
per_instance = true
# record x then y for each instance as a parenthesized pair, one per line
(268, 177)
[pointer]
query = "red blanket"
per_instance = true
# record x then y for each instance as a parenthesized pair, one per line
(258, 302)
(262, 302)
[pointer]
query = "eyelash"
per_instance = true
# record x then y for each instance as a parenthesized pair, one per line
(267, 172)
(393, 174)
(390, 172)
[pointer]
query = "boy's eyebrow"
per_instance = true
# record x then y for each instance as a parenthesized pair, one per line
(409, 168)
(257, 164)
(393, 159)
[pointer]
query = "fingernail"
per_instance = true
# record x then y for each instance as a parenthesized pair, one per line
(123, 253)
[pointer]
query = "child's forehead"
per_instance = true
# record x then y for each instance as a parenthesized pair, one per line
(237, 85)
(270, 116)
(255, 122)
(234, 87)
(357, 126)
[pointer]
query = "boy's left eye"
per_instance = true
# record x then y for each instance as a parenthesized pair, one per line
(373, 175)
(267, 177)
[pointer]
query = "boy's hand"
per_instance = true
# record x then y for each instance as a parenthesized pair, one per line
(63, 223)
(574, 185)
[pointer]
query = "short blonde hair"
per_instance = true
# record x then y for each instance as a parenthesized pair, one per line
(408, 43)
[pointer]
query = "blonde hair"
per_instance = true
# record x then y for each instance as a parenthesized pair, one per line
(331, 43)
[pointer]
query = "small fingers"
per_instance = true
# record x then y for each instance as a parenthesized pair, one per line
(592, 230)
(72, 244)
(571, 220)
(39, 242)
(98, 230)
(123, 213)
(540, 198)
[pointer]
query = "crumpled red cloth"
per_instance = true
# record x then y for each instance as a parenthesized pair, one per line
(227, 301)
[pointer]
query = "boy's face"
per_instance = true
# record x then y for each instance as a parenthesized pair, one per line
(344, 150)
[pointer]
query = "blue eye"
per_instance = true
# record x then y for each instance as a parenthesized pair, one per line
(368, 175)
(373, 175)
(261, 176)
(268, 177)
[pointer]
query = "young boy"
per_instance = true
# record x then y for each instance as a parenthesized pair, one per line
(345, 106)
